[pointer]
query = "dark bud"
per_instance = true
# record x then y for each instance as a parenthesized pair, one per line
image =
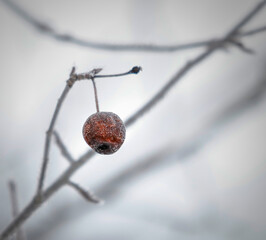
(136, 70)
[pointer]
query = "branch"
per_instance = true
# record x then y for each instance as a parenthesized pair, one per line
(252, 32)
(50, 131)
(85, 194)
(247, 18)
(65, 176)
(134, 70)
(69, 83)
(241, 46)
(49, 31)
(63, 148)
(162, 157)
(15, 208)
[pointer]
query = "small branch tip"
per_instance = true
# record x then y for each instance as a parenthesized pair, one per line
(73, 70)
(241, 46)
(85, 194)
(136, 70)
(64, 151)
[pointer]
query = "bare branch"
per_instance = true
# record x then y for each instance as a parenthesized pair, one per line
(63, 148)
(134, 70)
(65, 176)
(247, 18)
(69, 83)
(86, 194)
(154, 100)
(48, 137)
(252, 32)
(162, 157)
(241, 46)
(94, 74)
(15, 208)
(46, 29)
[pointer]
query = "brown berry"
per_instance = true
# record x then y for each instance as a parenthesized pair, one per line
(104, 132)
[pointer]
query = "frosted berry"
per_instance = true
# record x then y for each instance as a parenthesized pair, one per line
(104, 132)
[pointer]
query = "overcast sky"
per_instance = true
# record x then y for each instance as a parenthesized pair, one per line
(216, 192)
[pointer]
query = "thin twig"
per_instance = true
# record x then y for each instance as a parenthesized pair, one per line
(134, 70)
(48, 30)
(15, 208)
(241, 46)
(63, 148)
(252, 32)
(84, 193)
(65, 176)
(48, 139)
(247, 18)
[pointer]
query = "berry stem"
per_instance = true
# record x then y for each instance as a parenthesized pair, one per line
(96, 95)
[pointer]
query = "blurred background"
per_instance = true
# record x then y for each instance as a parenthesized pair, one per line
(194, 167)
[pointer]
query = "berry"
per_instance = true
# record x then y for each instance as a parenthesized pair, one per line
(104, 132)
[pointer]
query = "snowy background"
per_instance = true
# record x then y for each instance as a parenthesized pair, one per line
(205, 141)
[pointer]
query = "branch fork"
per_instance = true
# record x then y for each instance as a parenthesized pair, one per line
(236, 42)
(73, 77)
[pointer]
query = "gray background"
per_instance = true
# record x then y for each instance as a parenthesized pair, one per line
(208, 133)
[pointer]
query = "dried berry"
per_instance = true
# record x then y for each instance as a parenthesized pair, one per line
(104, 132)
